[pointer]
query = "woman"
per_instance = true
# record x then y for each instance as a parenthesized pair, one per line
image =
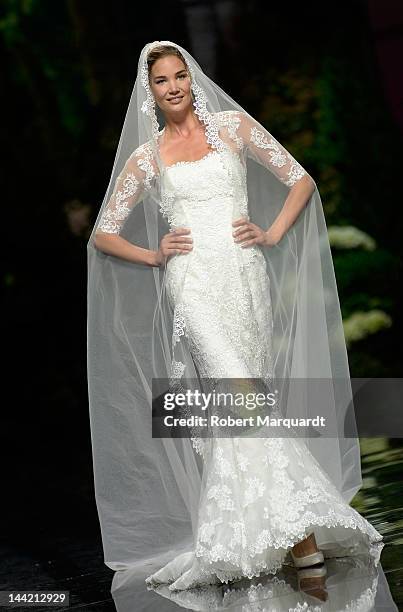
(228, 299)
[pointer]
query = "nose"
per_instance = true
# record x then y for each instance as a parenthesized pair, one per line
(173, 87)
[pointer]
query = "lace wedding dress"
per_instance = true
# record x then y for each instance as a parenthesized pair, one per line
(261, 495)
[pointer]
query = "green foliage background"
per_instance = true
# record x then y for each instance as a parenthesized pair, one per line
(313, 81)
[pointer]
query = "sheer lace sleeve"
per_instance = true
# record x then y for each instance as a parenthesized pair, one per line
(262, 147)
(130, 187)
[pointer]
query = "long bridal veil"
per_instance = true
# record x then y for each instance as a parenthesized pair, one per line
(148, 488)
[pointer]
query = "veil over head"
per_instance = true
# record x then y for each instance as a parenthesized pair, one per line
(147, 488)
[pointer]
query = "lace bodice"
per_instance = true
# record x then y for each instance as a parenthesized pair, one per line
(207, 193)
(239, 137)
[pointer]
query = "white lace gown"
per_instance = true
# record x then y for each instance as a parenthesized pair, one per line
(261, 495)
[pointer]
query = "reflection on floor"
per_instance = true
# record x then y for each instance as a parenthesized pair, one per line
(349, 584)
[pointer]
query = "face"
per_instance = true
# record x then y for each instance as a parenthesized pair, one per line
(170, 84)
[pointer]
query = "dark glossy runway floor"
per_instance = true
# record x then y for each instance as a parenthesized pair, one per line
(74, 562)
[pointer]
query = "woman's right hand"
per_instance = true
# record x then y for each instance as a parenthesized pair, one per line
(174, 243)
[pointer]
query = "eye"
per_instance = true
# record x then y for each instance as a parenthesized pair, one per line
(160, 81)
(183, 76)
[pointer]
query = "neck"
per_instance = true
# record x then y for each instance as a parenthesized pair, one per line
(181, 124)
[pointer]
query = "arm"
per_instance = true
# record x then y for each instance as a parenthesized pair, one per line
(267, 151)
(130, 187)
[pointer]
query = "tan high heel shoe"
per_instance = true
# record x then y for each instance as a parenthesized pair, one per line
(312, 581)
(306, 552)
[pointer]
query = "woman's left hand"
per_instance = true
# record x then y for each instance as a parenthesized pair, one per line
(249, 233)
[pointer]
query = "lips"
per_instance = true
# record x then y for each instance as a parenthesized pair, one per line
(175, 100)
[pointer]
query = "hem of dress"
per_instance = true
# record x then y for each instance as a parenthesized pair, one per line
(211, 575)
(373, 548)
